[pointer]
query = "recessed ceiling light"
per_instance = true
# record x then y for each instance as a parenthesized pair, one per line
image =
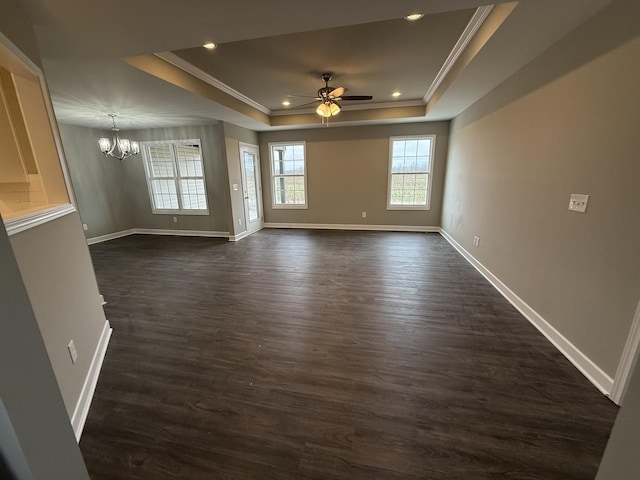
(396, 94)
(209, 46)
(412, 17)
(286, 103)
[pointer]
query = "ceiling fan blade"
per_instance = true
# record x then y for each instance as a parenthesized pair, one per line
(304, 96)
(337, 92)
(304, 105)
(357, 97)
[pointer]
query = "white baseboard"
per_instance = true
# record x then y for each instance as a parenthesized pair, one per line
(241, 235)
(110, 236)
(344, 226)
(84, 402)
(181, 233)
(587, 367)
(153, 231)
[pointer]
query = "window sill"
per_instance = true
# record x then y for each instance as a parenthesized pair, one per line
(288, 207)
(181, 212)
(408, 207)
(30, 219)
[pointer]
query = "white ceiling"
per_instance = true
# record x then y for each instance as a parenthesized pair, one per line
(83, 44)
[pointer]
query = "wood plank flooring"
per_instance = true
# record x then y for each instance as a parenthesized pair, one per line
(317, 355)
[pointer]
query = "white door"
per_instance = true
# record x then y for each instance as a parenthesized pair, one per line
(251, 187)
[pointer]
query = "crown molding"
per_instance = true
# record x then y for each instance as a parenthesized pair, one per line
(478, 18)
(182, 64)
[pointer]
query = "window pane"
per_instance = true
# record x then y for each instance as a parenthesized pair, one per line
(397, 181)
(411, 149)
(289, 167)
(299, 197)
(410, 164)
(410, 167)
(409, 182)
(288, 170)
(161, 160)
(424, 147)
(397, 165)
(407, 197)
(422, 164)
(421, 181)
(192, 194)
(420, 197)
(278, 166)
(277, 156)
(164, 194)
(397, 148)
(189, 160)
(176, 176)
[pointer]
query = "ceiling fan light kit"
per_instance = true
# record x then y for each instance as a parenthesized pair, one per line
(328, 109)
(328, 98)
(121, 148)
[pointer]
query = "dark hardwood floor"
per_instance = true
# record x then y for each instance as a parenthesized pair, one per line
(323, 355)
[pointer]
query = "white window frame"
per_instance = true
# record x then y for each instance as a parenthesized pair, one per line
(426, 206)
(147, 170)
(272, 177)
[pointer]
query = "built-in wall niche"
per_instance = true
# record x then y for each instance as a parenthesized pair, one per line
(32, 179)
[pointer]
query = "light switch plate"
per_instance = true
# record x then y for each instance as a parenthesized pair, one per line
(578, 202)
(72, 352)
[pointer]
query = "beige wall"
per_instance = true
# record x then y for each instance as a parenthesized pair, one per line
(98, 182)
(36, 438)
(215, 170)
(515, 157)
(233, 136)
(45, 271)
(57, 271)
(347, 171)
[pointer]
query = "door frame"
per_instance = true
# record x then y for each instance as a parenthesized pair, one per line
(258, 224)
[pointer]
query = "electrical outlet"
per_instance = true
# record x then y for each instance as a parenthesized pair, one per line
(175, 219)
(476, 241)
(578, 202)
(85, 227)
(239, 221)
(364, 214)
(72, 352)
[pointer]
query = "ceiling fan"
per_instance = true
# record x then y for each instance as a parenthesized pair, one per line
(328, 98)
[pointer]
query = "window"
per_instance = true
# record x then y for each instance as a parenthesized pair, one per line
(410, 162)
(288, 175)
(175, 176)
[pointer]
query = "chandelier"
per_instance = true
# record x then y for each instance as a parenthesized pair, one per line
(119, 148)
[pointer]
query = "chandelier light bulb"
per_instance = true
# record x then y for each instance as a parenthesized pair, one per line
(323, 110)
